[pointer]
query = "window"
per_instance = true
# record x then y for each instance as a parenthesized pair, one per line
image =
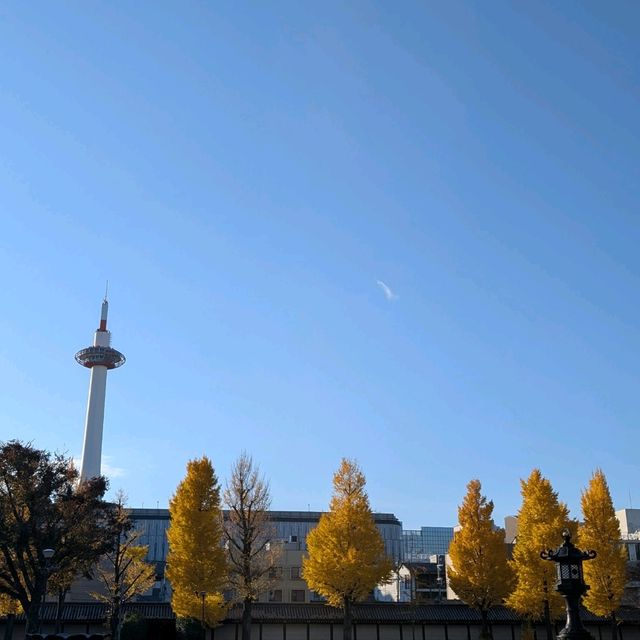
(297, 595)
(275, 595)
(275, 572)
(314, 596)
(295, 573)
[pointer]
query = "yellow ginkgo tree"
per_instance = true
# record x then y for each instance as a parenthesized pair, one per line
(541, 520)
(196, 561)
(346, 555)
(606, 574)
(480, 574)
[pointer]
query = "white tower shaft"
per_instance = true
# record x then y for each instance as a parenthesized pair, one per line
(94, 420)
(99, 358)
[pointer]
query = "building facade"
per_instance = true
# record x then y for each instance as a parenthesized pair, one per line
(291, 529)
(420, 544)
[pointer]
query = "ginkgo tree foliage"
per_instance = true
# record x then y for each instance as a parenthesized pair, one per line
(480, 574)
(346, 555)
(196, 560)
(606, 574)
(541, 520)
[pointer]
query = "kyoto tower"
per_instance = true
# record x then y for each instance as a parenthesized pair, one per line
(99, 358)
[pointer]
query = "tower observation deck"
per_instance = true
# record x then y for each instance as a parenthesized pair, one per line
(100, 358)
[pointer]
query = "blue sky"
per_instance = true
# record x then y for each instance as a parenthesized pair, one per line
(245, 173)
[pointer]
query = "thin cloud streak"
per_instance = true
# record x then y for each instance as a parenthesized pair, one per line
(386, 289)
(107, 469)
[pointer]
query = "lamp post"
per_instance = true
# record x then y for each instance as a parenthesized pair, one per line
(47, 554)
(570, 584)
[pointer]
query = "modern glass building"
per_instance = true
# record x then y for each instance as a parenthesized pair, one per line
(290, 526)
(420, 544)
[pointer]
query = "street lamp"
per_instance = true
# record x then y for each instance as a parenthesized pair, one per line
(47, 554)
(570, 584)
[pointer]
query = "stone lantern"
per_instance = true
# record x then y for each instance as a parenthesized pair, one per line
(570, 584)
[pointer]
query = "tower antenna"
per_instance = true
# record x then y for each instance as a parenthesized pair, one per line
(106, 291)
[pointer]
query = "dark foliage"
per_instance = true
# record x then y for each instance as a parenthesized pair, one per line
(42, 506)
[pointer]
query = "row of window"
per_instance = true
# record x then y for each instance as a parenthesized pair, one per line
(277, 572)
(297, 595)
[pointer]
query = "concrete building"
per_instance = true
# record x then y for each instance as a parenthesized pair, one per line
(291, 529)
(629, 520)
(417, 582)
(510, 529)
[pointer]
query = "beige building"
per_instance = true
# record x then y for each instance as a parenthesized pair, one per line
(288, 585)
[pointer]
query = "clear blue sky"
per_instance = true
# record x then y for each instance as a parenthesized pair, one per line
(245, 173)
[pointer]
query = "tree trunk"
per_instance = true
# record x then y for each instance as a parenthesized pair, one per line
(62, 594)
(547, 620)
(33, 617)
(246, 619)
(486, 629)
(614, 626)
(347, 624)
(115, 620)
(8, 626)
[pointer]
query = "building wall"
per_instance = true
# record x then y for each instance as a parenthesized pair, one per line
(629, 520)
(510, 529)
(291, 529)
(416, 582)
(287, 582)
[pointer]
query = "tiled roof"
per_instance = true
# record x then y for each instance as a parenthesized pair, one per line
(395, 613)
(98, 611)
(365, 613)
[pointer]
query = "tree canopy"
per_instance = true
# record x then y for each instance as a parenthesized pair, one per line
(606, 574)
(123, 571)
(541, 520)
(480, 574)
(248, 533)
(43, 507)
(346, 555)
(196, 560)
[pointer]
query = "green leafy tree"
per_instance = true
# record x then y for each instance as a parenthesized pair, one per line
(606, 574)
(43, 507)
(480, 574)
(346, 556)
(123, 571)
(196, 561)
(248, 534)
(541, 520)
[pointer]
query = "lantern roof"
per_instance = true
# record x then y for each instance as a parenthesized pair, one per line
(567, 552)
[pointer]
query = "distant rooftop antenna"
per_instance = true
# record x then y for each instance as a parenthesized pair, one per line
(106, 291)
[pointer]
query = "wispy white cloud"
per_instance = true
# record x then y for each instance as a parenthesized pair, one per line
(386, 289)
(110, 470)
(107, 469)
